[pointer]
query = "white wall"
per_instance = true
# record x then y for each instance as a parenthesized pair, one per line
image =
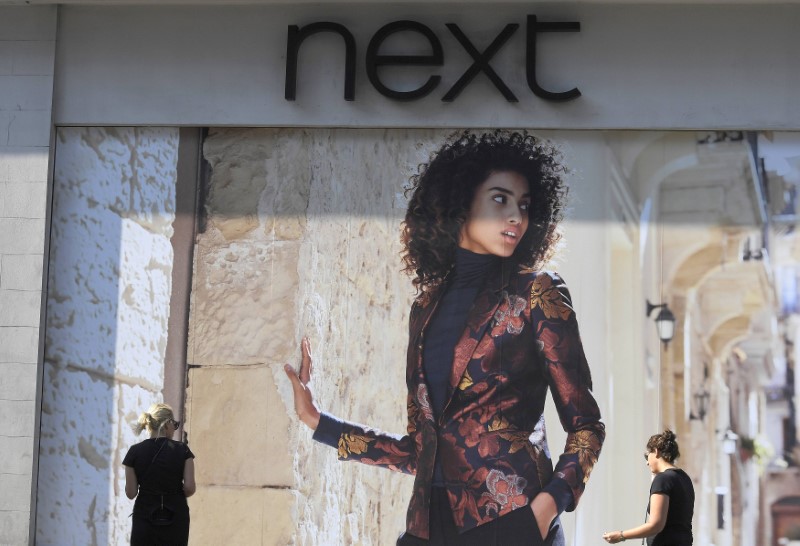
(604, 284)
(27, 52)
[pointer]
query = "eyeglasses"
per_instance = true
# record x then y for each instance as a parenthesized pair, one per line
(647, 454)
(175, 423)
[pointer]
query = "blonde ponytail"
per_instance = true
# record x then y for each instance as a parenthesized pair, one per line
(153, 419)
(144, 421)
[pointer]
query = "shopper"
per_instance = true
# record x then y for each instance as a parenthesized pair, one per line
(669, 512)
(159, 474)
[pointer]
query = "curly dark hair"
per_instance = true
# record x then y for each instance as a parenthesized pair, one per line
(667, 445)
(443, 189)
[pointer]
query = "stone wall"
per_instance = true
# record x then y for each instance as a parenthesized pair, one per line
(27, 53)
(301, 239)
(106, 330)
(299, 235)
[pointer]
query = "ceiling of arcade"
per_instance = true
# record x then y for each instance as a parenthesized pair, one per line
(710, 219)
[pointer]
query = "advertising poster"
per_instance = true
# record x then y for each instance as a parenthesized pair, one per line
(191, 265)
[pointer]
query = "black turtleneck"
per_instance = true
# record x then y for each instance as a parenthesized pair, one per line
(446, 326)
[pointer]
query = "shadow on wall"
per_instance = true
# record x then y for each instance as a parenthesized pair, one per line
(106, 330)
(701, 177)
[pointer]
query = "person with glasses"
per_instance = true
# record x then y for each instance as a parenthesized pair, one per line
(490, 334)
(159, 474)
(669, 512)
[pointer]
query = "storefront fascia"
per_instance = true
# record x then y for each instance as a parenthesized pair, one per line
(658, 67)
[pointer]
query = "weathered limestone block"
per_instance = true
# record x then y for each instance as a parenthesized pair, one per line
(77, 458)
(74, 467)
(145, 286)
(356, 303)
(285, 202)
(237, 427)
(244, 304)
(82, 290)
(244, 301)
(253, 183)
(133, 172)
(241, 515)
(325, 262)
(108, 306)
(232, 201)
(115, 188)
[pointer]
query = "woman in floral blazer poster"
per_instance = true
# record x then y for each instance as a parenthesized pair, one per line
(489, 334)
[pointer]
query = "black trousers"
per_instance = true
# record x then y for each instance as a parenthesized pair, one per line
(517, 528)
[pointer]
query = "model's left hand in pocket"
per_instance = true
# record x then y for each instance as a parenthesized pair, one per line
(544, 510)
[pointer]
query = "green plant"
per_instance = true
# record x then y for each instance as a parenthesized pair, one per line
(758, 449)
(747, 444)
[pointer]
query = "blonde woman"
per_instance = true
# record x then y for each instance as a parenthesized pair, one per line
(159, 474)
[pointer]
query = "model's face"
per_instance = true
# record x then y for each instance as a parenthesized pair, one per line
(498, 217)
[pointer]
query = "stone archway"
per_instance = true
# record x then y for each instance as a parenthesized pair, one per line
(785, 518)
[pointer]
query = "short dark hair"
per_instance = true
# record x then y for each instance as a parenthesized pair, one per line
(443, 189)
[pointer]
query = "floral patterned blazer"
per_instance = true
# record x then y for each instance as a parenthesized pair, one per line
(521, 338)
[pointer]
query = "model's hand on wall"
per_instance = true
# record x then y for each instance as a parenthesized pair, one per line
(303, 398)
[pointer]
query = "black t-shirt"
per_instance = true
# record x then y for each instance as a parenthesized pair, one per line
(165, 474)
(677, 485)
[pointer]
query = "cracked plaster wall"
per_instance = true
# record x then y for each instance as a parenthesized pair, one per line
(302, 239)
(106, 330)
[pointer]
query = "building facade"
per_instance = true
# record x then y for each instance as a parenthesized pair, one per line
(175, 216)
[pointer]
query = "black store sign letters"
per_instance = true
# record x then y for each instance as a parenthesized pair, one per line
(480, 63)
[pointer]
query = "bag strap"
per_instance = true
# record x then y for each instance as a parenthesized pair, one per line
(146, 472)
